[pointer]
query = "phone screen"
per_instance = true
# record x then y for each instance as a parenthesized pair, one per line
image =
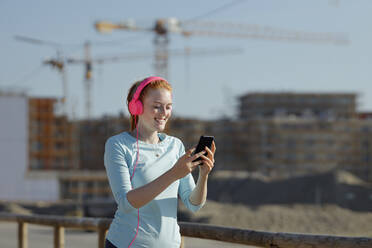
(203, 142)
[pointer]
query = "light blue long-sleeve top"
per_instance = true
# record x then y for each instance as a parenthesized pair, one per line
(158, 218)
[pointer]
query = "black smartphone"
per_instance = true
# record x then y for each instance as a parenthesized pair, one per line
(203, 142)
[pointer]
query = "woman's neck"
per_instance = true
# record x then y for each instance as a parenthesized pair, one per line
(146, 136)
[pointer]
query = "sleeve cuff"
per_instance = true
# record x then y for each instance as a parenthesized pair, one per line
(193, 207)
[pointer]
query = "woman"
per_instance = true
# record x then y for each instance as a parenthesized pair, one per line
(147, 170)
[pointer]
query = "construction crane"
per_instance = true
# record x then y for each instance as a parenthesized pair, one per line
(165, 26)
(88, 61)
(55, 63)
(60, 63)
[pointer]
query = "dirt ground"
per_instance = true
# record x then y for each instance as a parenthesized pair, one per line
(334, 203)
(298, 218)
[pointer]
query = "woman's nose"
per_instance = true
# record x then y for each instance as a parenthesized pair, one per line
(163, 109)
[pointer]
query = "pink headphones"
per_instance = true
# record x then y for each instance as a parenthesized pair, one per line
(135, 105)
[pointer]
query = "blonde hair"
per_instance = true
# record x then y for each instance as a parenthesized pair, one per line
(156, 84)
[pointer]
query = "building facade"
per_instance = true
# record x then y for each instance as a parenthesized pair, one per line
(92, 138)
(16, 180)
(189, 130)
(304, 105)
(53, 140)
(296, 133)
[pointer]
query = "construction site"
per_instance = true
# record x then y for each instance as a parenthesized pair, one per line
(285, 98)
(278, 134)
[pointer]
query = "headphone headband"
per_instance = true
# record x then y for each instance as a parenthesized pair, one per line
(143, 84)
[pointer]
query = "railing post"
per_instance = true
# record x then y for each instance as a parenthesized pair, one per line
(22, 235)
(182, 242)
(59, 237)
(101, 237)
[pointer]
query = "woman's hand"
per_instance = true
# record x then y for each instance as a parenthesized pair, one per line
(199, 194)
(185, 164)
(208, 161)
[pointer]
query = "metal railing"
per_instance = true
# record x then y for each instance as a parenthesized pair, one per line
(195, 230)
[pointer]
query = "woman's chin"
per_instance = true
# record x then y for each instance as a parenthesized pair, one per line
(159, 127)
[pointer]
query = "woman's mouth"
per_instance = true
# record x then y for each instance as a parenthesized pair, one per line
(160, 121)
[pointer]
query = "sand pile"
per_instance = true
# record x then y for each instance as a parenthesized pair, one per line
(14, 208)
(298, 218)
(335, 203)
(335, 187)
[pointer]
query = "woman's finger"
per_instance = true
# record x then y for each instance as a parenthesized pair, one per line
(190, 151)
(207, 161)
(210, 153)
(207, 166)
(196, 163)
(213, 147)
(205, 158)
(208, 150)
(192, 158)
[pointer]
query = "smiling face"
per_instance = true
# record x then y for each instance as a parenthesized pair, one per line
(157, 109)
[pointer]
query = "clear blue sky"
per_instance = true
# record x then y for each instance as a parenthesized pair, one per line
(204, 87)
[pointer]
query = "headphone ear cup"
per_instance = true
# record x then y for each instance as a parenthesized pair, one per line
(139, 107)
(135, 107)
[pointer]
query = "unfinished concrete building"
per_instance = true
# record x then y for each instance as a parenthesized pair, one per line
(92, 137)
(304, 105)
(300, 133)
(53, 143)
(189, 130)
